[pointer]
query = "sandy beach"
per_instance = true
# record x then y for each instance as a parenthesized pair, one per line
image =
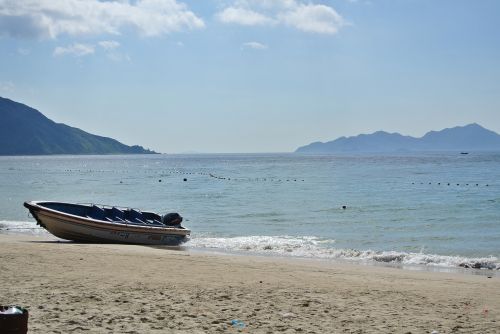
(86, 288)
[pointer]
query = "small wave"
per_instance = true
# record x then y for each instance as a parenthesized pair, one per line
(304, 246)
(20, 227)
(313, 247)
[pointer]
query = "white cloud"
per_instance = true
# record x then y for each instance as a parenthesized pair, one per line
(254, 45)
(243, 16)
(75, 49)
(111, 50)
(265, 4)
(109, 45)
(116, 56)
(52, 18)
(303, 16)
(313, 18)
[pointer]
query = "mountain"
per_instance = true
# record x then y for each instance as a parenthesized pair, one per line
(26, 131)
(472, 137)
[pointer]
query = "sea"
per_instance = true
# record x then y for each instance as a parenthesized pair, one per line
(432, 211)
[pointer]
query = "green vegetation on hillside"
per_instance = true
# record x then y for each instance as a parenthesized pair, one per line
(26, 131)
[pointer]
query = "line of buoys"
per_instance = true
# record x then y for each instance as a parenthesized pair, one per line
(165, 174)
(258, 179)
(458, 184)
(89, 170)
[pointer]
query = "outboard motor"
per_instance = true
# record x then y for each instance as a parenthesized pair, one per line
(171, 219)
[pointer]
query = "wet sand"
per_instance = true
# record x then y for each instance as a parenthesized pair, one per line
(84, 288)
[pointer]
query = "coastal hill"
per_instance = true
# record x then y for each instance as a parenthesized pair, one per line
(26, 131)
(472, 137)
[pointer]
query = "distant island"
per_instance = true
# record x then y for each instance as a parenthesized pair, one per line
(472, 137)
(26, 131)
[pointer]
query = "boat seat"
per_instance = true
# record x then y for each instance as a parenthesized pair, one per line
(114, 219)
(154, 222)
(126, 221)
(117, 214)
(136, 216)
(96, 213)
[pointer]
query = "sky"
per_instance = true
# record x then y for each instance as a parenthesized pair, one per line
(240, 76)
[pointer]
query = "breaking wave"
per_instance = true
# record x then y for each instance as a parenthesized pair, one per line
(313, 247)
(21, 227)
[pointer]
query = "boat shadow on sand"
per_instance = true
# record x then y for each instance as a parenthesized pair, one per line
(179, 248)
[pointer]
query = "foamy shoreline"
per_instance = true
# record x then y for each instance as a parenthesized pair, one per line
(352, 262)
(301, 248)
(312, 248)
(122, 288)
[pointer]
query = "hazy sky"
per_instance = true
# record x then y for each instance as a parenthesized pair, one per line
(252, 75)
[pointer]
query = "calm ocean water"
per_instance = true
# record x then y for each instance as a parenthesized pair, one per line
(434, 209)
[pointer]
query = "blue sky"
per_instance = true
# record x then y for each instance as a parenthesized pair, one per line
(252, 75)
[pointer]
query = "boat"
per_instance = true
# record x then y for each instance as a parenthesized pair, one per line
(95, 223)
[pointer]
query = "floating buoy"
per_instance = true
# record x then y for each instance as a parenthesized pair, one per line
(185, 180)
(344, 207)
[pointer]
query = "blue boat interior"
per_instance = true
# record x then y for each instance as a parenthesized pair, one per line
(108, 214)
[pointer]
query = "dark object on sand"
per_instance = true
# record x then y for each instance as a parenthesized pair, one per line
(107, 224)
(13, 323)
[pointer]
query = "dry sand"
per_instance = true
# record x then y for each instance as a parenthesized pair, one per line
(84, 288)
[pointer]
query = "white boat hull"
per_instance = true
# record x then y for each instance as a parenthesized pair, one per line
(75, 228)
